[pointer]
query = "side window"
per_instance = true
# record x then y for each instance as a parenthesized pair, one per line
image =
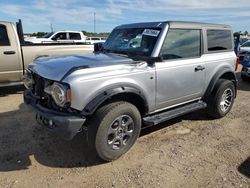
(60, 36)
(181, 43)
(218, 40)
(75, 36)
(4, 40)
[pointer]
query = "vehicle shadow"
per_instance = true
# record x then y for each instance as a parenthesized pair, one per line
(194, 116)
(244, 168)
(23, 142)
(22, 139)
(5, 91)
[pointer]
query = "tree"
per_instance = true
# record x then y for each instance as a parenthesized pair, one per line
(91, 34)
(237, 33)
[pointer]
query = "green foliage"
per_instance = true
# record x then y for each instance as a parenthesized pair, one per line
(240, 33)
(38, 34)
(91, 34)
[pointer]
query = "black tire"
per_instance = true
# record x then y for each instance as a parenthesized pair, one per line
(214, 108)
(113, 117)
(244, 78)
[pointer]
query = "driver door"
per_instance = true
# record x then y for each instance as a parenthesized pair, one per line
(10, 60)
(181, 74)
(60, 37)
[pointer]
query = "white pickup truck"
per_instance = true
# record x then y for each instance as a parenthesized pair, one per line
(93, 40)
(16, 54)
(59, 37)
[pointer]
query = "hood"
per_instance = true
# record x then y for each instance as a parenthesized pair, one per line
(55, 68)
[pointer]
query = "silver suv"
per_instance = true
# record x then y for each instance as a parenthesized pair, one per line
(144, 74)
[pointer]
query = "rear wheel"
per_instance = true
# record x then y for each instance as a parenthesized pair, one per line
(114, 129)
(221, 99)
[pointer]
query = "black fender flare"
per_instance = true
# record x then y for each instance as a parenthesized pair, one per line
(92, 106)
(219, 74)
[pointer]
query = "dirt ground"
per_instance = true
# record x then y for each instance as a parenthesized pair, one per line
(190, 151)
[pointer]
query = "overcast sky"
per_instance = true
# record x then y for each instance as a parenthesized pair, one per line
(79, 14)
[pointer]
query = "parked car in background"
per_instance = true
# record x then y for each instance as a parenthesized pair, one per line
(245, 72)
(15, 54)
(243, 40)
(245, 46)
(244, 49)
(59, 37)
(93, 40)
(144, 74)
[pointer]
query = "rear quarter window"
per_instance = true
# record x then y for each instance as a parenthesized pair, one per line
(4, 39)
(219, 40)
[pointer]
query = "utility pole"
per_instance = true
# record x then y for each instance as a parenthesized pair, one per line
(51, 27)
(94, 23)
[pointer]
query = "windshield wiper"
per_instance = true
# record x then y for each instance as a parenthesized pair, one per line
(115, 51)
(135, 55)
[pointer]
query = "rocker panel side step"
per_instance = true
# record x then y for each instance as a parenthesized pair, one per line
(173, 113)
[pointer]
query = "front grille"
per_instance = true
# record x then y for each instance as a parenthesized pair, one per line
(39, 85)
(241, 57)
(44, 99)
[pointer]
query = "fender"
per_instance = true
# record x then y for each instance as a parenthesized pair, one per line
(92, 106)
(229, 74)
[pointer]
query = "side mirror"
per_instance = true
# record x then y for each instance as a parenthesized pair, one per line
(152, 60)
(98, 47)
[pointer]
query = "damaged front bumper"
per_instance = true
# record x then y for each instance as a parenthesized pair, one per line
(63, 124)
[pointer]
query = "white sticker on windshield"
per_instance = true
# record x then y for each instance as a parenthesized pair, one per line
(151, 32)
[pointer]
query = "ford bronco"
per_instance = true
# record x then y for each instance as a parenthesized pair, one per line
(144, 74)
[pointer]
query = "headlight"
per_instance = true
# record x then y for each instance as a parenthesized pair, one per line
(60, 93)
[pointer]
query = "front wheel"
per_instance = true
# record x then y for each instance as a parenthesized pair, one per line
(221, 99)
(114, 129)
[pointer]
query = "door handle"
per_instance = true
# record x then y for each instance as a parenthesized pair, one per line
(199, 68)
(9, 52)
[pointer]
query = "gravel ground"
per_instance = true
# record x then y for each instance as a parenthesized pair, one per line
(190, 151)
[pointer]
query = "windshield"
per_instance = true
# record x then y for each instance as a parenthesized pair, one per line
(138, 41)
(48, 35)
(246, 44)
